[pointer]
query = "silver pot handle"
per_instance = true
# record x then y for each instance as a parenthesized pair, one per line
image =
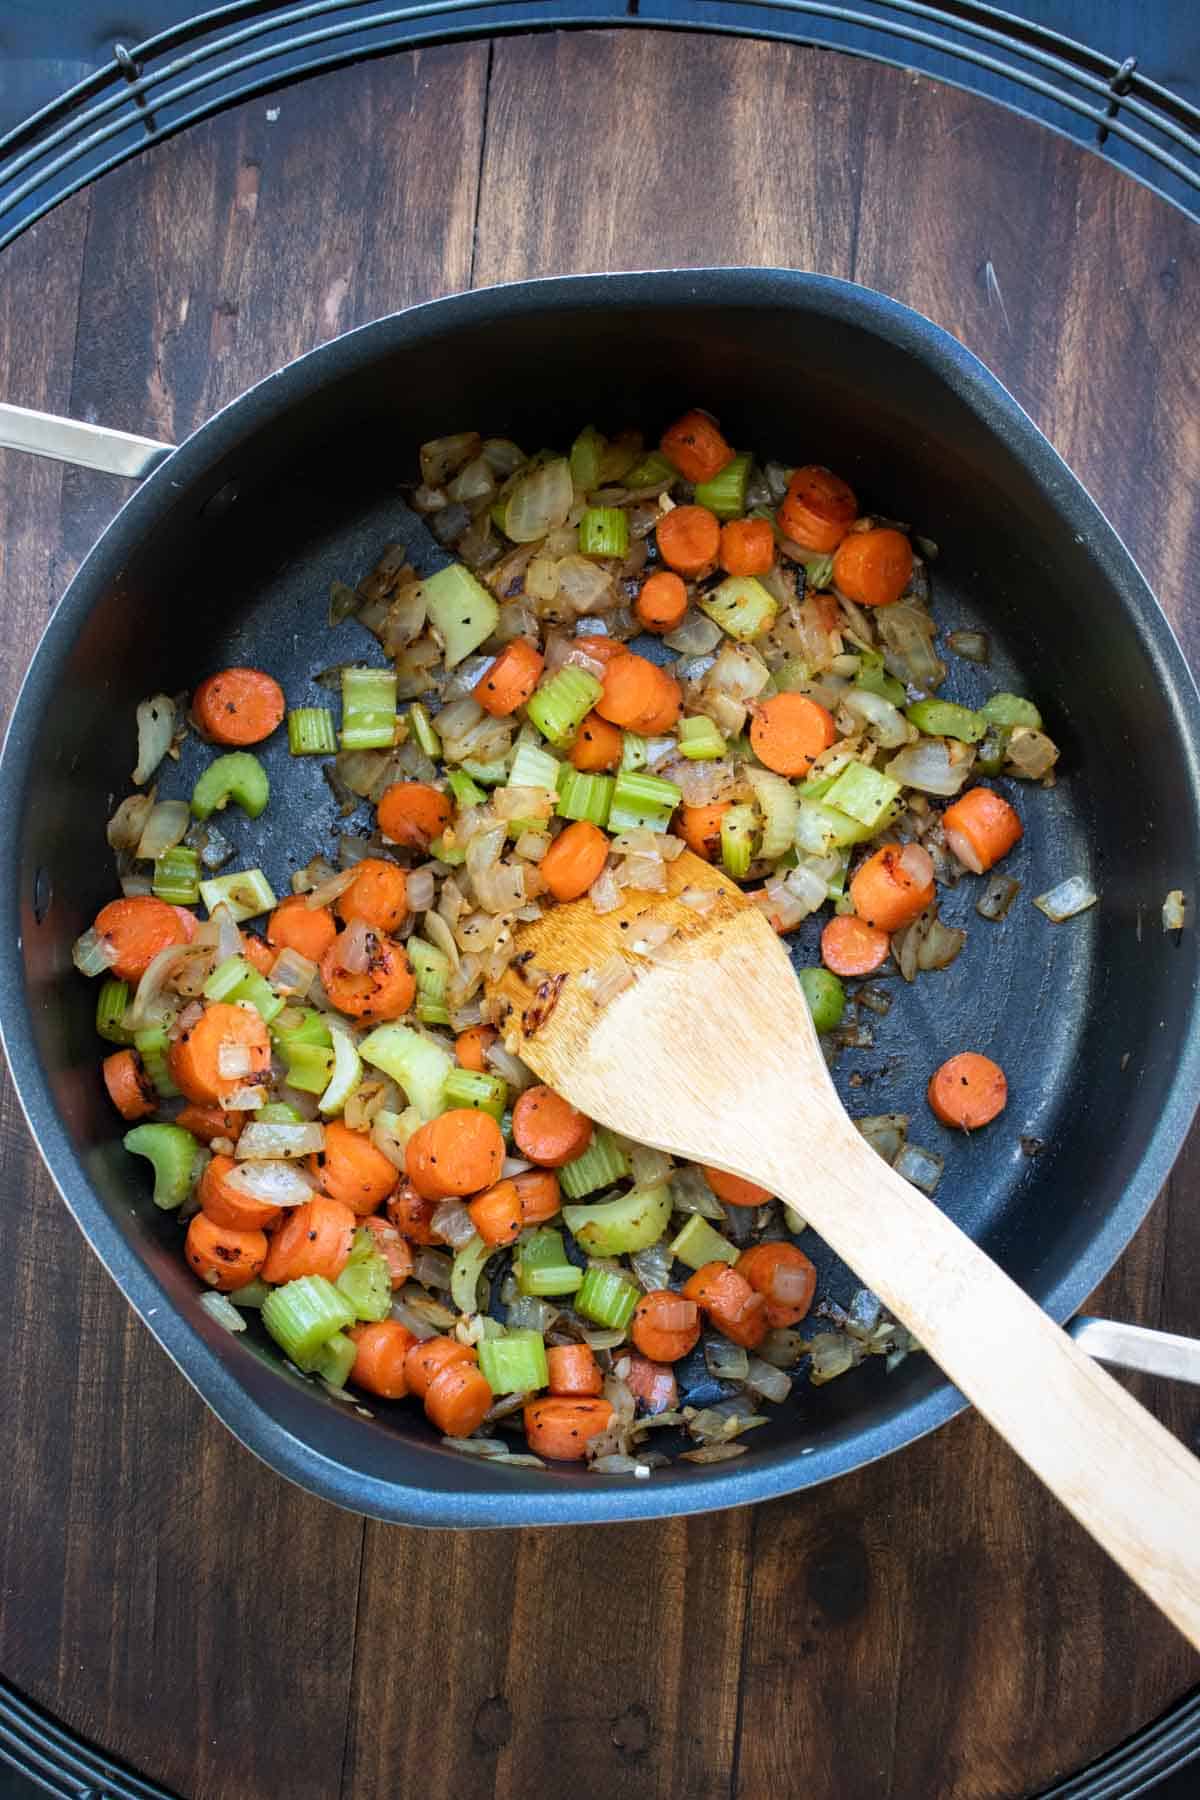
(89, 446)
(1136, 1347)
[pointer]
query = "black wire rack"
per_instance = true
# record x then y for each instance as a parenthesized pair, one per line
(148, 91)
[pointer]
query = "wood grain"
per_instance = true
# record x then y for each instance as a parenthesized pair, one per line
(931, 1627)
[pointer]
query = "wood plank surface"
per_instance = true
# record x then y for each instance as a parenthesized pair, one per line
(932, 1628)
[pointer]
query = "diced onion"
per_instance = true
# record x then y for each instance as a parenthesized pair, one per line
(292, 974)
(93, 954)
(931, 766)
(763, 1378)
(421, 890)
(128, 822)
(164, 828)
(998, 895)
(725, 1361)
(973, 646)
(609, 980)
(832, 1355)
(331, 889)
(278, 1183)
(453, 1224)
(696, 635)
(245, 1099)
(155, 729)
(539, 502)
(701, 900)
(1174, 912)
(1031, 753)
(1074, 895)
(789, 1286)
(265, 1142)
(886, 722)
(885, 1132)
(233, 1061)
(150, 987)
(356, 947)
(408, 1316)
(922, 1167)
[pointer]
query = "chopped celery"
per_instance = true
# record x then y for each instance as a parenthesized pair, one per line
(864, 794)
(837, 884)
(366, 1280)
(649, 471)
(534, 767)
(542, 1267)
(151, 1045)
(311, 731)
(466, 792)
(634, 755)
(587, 456)
(368, 709)
(582, 796)
(725, 494)
(345, 1076)
(629, 1222)
(278, 1112)
(698, 1243)
(1010, 710)
(447, 853)
(793, 675)
(335, 1359)
(308, 1067)
(481, 1093)
(699, 739)
(780, 807)
(301, 1025)
(303, 1315)
(422, 728)
(816, 787)
(252, 1295)
(238, 776)
(738, 828)
(461, 611)
(172, 1152)
(177, 876)
(741, 606)
(491, 774)
(607, 1298)
(942, 718)
(825, 995)
(468, 1266)
(112, 1003)
(873, 678)
(235, 980)
(247, 893)
(514, 1363)
(222, 1309)
(821, 829)
(818, 570)
(992, 751)
(642, 800)
(602, 1163)
(559, 706)
(417, 1064)
(431, 967)
(604, 531)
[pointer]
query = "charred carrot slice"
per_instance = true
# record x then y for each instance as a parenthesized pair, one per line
(980, 828)
(129, 1087)
(260, 956)
(734, 1307)
(352, 1170)
(635, 691)
(819, 509)
(652, 1385)
(295, 925)
(789, 731)
(196, 1056)
(137, 929)
(223, 1258)
(968, 1091)
(385, 989)
(392, 1247)
(497, 1214)
(412, 1214)
(238, 706)
(314, 1239)
(785, 1278)
(226, 1206)
(700, 828)
(459, 1152)
(511, 679)
(892, 887)
(539, 1194)
(849, 946)
(412, 813)
(665, 1325)
(694, 445)
(873, 568)
(426, 1360)
(574, 860)
(378, 895)
(209, 1122)
(562, 1428)
(547, 1129)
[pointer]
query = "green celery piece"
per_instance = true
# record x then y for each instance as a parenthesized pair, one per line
(461, 611)
(699, 739)
(634, 755)
(311, 731)
(253, 1294)
(468, 1266)
(699, 1243)
(617, 1227)
(649, 471)
(466, 792)
(725, 494)
(587, 457)
(305, 1026)
(1010, 710)
(779, 805)
(864, 794)
(874, 679)
(514, 1363)
(335, 1359)
(447, 853)
(246, 893)
(543, 1269)
(464, 1088)
(821, 829)
(345, 1076)
(739, 826)
(642, 800)
(177, 876)
(942, 718)
(602, 1163)
(825, 995)
(151, 1045)
(308, 1067)
(112, 1003)
(278, 1112)
(238, 776)
(607, 1298)
(366, 1280)
(818, 570)
(424, 733)
(741, 606)
(560, 705)
(303, 1315)
(584, 796)
(604, 531)
(491, 774)
(534, 767)
(992, 752)
(368, 708)
(172, 1153)
(415, 1063)
(235, 979)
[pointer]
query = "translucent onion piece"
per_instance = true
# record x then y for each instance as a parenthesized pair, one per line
(453, 1223)
(998, 895)
(127, 823)
(701, 900)
(421, 890)
(222, 1310)
(697, 635)
(1030, 753)
(146, 1001)
(356, 946)
(941, 944)
(432, 1269)
(133, 885)
(292, 974)
(725, 1361)
(229, 937)
(249, 1099)
(922, 1167)
(609, 980)
(445, 456)
(263, 1143)
(331, 889)
(907, 633)
(1174, 912)
(885, 1132)
(419, 1326)
(832, 1355)
(164, 828)
(649, 1165)
(971, 645)
(539, 502)
(233, 1061)
(93, 954)
(782, 1349)
(652, 1267)
(789, 1286)
(763, 1378)
(278, 1183)
(932, 766)
(586, 586)
(155, 730)
(885, 722)
(1072, 896)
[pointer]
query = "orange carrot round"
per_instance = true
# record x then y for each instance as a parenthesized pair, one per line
(652, 1385)
(427, 1359)
(789, 731)
(314, 1239)
(308, 930)
(194, 1058)
(223, 1258)
(600, 649)
(663, 716)
(635, 691)
(459, 1152)
(969, 1090)
(849, 946)
(378, 1366)
(412, 813)
(747, 547)
(238, 706)
(562, 1428)
(137, 929)
(394, 1249)
(819, 509)
(471, 1047)
(597, 745)
(665, 1325)
(510, 680)
(734, 1190)
(695, 446)
(980, 828)
(458, 1400)
(497, 1214)
(260, 956)
(547, 1129)
(700, 828)
(733, 1306)
(574, 1370)
(385, 989)
(785, 1278)
(662, 602)
(689, 540)
(226, 1206)
(873, 568)
(129, 1087)
(352, 1170)
(378, 895)
(539, 1194)
(892, 887)
(209, 1122)
(574, 860)
(411, 1214)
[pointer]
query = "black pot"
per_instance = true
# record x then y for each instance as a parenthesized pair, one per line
(225, 555)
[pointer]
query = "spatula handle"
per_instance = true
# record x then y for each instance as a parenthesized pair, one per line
(1126, 1479)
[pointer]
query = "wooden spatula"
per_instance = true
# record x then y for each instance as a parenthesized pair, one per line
(710, 1054)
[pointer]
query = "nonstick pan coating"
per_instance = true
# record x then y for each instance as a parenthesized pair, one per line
(226, 556)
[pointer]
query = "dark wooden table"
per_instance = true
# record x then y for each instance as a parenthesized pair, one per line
(931, 1629)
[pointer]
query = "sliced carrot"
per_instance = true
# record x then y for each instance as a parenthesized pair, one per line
(295, 925)
(471, 1047)
(562, 1428)
(223, 1258)
(980, 828)
(209, 1122)
(427, 1359)
(260, 956)
(636, 690)
(378, 895)
(547, 1129)
(849, 946)
(497, 1214)
(695, 446)
(226, 1206)
(789, 731)
(700, 828)
(873, 568)
(734, 1190)
(129, 1087)
(662, 602)
(665, 1326)
(600, 649)
(540, 1195)
(574, 860)
(652, 1385)
(352, 1170)
(892, 887)
(689, 540)
(597, 745)
(732, 1305)
(385, 989)
(786, 1279)
(394, 1249)
(574, 1370)
(314, 1239)
(664, 715)
(137, 929)
(413, 814)
(968, 1091)
(747, 547)
(459, 1152)
(379, 1365)
(411, 1213)
(194, 1058)
(238, 706)
(819, 509)
(510, 680)
(458, 1400)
